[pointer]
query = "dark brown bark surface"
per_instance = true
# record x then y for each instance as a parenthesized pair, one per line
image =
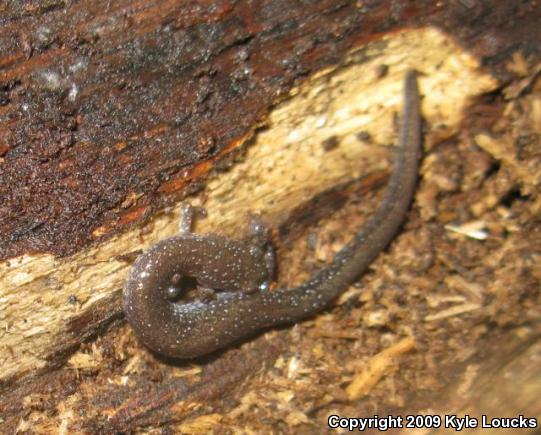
(106, 110)
(110, 111)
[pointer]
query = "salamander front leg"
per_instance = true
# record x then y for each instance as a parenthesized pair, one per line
(185, 222)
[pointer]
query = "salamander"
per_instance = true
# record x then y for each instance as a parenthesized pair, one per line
(240, 270)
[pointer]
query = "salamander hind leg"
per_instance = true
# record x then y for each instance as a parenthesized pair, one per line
(258, 233)
(258, 236)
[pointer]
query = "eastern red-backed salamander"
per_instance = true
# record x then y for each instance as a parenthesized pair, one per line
(241, 270)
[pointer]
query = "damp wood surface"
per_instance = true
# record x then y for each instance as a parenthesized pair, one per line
(108, 123)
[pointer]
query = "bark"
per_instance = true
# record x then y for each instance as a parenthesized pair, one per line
(111, 114)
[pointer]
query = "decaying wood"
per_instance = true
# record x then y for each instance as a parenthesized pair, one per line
(284, 165)
(421, 332)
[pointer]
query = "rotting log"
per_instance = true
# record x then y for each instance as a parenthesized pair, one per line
(111, 115)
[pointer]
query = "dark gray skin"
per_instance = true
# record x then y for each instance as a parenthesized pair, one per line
(216, 262)
(240, 270)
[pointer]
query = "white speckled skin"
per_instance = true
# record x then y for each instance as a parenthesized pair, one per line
(191, 329)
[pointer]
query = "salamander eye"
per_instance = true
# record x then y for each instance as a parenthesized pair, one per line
(172, 293)
(179, 286)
